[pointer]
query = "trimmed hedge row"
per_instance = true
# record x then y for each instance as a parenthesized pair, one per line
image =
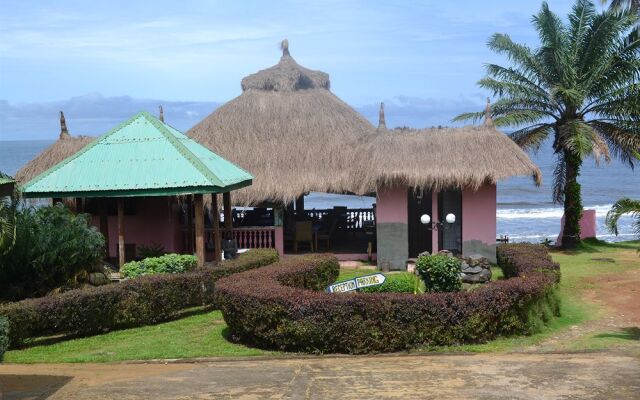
(279, 307)
(142, 301)
(4, 336)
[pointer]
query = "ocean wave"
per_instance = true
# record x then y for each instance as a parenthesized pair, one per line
(545, 212)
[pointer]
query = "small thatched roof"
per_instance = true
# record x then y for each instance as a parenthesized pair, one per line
(440, 158)
(64, 147)
(290, 131)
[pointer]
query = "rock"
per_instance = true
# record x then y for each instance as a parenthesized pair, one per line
(98, 279)
(486, 275)
(472, 270)
(445, 253)
(475, 278)
(424, 253)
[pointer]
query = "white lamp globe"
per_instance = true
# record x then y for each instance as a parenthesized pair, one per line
(425, 219)
(450, 218)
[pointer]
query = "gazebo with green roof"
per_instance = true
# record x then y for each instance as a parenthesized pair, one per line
(143, 157)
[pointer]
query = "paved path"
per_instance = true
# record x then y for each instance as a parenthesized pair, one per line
(486, 376)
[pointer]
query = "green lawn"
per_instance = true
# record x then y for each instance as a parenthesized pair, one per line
(199, 335)
(202, 335)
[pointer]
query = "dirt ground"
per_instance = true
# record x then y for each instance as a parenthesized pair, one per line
(485, 376)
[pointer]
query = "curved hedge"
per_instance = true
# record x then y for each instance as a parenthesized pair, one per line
(145, 300)
(281, 307)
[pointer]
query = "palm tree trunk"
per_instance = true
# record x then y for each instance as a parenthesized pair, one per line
(572, 202)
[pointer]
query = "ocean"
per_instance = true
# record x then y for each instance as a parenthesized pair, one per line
(525, 212)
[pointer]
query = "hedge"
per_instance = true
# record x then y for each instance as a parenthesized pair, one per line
(281, 307)
(142, 301)
(4, 336)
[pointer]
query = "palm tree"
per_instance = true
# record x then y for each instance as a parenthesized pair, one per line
(621, 207)
(623, 5)
(581, 87)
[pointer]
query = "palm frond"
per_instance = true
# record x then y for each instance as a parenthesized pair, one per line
(620, 208)
(532, 137)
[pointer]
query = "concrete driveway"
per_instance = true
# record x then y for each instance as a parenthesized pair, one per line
(484, 376)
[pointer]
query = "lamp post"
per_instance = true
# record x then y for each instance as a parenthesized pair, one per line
(448, 222)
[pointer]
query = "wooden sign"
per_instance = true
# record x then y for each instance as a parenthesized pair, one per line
(357, 283)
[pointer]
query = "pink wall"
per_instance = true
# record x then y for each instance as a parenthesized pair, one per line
(391, 205)
(587, 226)
(479, 215)
(156, 220)
(279, 239)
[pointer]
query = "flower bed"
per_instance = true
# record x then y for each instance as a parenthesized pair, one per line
(281, 307)
(142, 301)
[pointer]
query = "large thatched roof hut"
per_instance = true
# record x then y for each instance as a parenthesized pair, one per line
(64, 147)
(290, 131)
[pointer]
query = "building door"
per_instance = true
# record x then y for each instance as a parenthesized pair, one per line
(450, 235)
(419, 203)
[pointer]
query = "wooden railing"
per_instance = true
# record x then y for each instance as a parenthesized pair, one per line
(353, 218)
(249, 237)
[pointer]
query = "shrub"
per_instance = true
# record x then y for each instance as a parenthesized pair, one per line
(4, 336)
(396, 283)
(280, 307)
(153, 250)
(170, 263)
(134, 302)
(52, 245)
(440, 273)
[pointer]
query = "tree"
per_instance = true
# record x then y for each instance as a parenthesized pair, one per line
(580, 87)
(620, 208)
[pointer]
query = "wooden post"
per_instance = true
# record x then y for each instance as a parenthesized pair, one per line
(104, 223)
(199, 214)
(121, 232)
(228, 217)
(215, 211)
(190, 223)
(300, 208)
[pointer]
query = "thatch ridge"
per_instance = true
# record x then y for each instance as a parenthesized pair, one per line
(286, 76)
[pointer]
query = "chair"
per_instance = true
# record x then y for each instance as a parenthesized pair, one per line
(325, 235)
(303, 234)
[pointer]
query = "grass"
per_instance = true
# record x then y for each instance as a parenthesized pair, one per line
(200, 335)
(203, 334)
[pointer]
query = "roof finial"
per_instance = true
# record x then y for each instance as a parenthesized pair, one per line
(381, 122)
(488, 121)
(161, 117)
(64, 133)
(284, 46)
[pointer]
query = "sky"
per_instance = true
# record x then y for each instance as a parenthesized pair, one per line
(103, 61)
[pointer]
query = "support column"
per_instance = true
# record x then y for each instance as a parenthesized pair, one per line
(121, 254)
(199, 215)
(228, 218)
(435, 236)
(104, 223)
(300, 208)
(217, 252)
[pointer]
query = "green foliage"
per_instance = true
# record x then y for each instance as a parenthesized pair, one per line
(620, 208)
(440, 273)
(280, 307)
(167, 264)
(52, 245)
(396, 283)
(580, 86)
(134, 302)
(7, 224)
(4, 336)
(153, 250)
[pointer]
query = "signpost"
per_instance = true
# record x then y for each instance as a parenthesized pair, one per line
(357, 283)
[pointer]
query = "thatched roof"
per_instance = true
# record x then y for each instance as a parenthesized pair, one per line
(439, 158)
(289, 131)
(64, 147)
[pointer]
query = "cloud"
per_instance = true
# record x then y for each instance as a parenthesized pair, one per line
(91, 114)
(421, 112)
(94, 114)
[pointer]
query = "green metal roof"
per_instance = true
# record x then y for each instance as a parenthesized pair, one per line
(141, 157)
